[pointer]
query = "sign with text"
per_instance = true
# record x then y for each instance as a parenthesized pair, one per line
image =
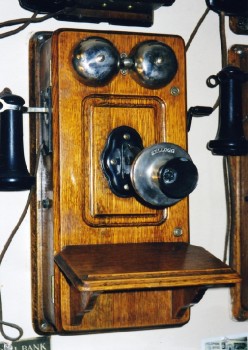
(39, 343)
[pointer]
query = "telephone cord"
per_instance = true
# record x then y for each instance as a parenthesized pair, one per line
(3, 252)
(27, 21)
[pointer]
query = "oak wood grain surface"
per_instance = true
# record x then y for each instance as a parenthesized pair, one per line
(119, 243)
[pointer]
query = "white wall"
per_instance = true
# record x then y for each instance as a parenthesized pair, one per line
(212, 316)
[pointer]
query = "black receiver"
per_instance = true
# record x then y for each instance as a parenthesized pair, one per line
(229, 7)
(14, 175)
(230, 139)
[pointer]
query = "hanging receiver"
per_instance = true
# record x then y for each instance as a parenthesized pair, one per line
(230, 139)
(14, 175)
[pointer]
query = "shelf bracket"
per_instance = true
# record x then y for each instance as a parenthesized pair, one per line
(80, 304)
(184, 298)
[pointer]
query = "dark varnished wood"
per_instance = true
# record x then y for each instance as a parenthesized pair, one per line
(184, 298)
(81, 303)
(238, 178)
(142, 265)
(104, 268)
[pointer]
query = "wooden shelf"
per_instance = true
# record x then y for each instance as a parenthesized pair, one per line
(146, 265)
(94, 269)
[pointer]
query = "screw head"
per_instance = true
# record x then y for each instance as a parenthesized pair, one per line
(175, 91)
(40, 37)
(126, 137)
(44, 326)
(46, 203)
(178, 232)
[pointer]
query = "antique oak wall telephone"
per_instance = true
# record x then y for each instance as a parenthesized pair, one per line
(110, 231)
(112, 198)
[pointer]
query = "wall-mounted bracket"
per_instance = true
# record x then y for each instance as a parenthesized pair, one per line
(46, 122)
(46, 115)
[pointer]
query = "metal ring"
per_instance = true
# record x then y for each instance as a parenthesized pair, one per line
(212, 78)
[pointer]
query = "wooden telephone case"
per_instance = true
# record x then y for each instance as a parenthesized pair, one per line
(101, 262)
